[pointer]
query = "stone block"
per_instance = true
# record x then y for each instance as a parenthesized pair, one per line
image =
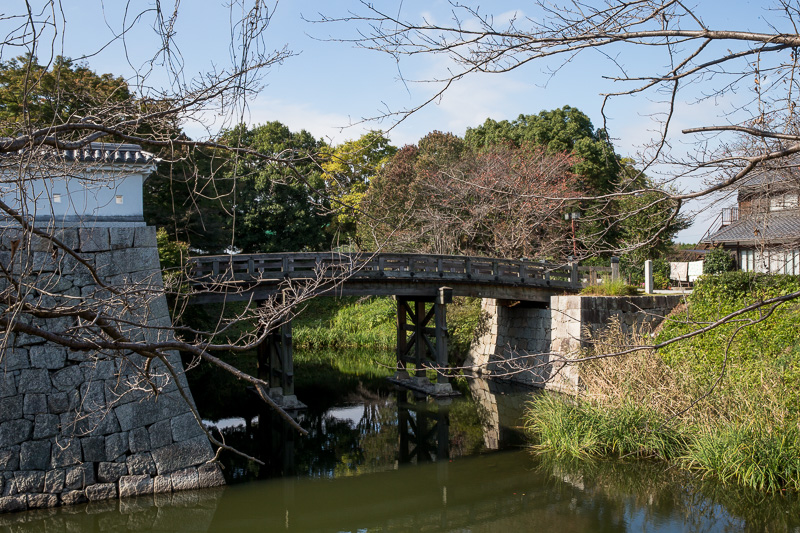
(139, 440)
(9, 459)
(162, 484)
(182, 455)
(135, 486)
(121, 238)
(14, 432)
(42, 501)
(73, 497)
(111, 472)
(94, 449)
(93, 396)
(132, 415)
(9, 484)
(96, 423)
(106, 265)
(34, 455)
(185, 427)
(101, 491)
(54, 481)
(79, 477)
(29, 481)
(8, 383)
(14, 359)
(10, 408)
(14, 504)
(145, 237)
(141, 463)
(65, 452)
(98, 370)
(186, 479)
(116, 445)
(160, 434)
(35, 404)
(57, 402)
(210, 475)
(149, 411)
(48, 356)
(93, 239)
(67, 379)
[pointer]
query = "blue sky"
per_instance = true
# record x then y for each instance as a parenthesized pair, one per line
(329, 86)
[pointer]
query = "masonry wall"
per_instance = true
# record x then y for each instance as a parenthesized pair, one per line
(513, 342)
(84, 425)
(518, 343)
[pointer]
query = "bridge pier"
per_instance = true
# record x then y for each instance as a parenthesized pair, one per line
(426, 347)
(276, 366)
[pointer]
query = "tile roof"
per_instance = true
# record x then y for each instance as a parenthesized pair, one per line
(109, 153)
(776, 226)
(96, 152)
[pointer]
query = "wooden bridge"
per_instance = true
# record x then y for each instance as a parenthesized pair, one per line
(259, 276)
(423, 285)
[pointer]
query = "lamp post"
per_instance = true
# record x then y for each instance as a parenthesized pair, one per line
(573, 216)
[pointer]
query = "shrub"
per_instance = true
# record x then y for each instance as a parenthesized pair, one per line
(660, 281)
(610, 288)
(717, 261)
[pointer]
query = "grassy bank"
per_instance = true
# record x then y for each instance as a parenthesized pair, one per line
(724, 404)
(346, 323)
(372, 322)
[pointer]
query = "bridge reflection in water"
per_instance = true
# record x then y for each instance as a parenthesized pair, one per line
(383, 433)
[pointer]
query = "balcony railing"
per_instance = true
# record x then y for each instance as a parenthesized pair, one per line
(729, 216)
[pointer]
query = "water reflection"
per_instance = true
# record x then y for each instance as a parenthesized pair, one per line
(505, 491)
(373, 431)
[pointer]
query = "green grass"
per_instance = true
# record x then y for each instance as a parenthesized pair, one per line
(582, 430)
(346, 323)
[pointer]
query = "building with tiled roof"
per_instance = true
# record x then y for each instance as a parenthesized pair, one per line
(100, 183)
(763, 230)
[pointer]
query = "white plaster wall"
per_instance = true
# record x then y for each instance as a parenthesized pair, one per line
(88, 195)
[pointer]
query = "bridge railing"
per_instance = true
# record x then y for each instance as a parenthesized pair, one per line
(298, 266)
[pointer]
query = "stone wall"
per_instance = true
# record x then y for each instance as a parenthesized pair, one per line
(517, 342)
(513, 342)
(577, 317)
(85, 425)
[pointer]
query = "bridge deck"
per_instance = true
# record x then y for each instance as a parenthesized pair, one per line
(238, 277)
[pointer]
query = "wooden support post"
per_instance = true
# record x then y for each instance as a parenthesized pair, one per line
(419, 334)
(273, 341)
(402, 341)
(444, 297)
(287, 359)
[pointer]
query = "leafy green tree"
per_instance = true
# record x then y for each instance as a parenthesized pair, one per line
(278, 208)
(348, 170)
(33, 96)
(220, 202)
(560, 130)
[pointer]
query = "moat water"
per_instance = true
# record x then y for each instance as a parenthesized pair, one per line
(381, 459)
